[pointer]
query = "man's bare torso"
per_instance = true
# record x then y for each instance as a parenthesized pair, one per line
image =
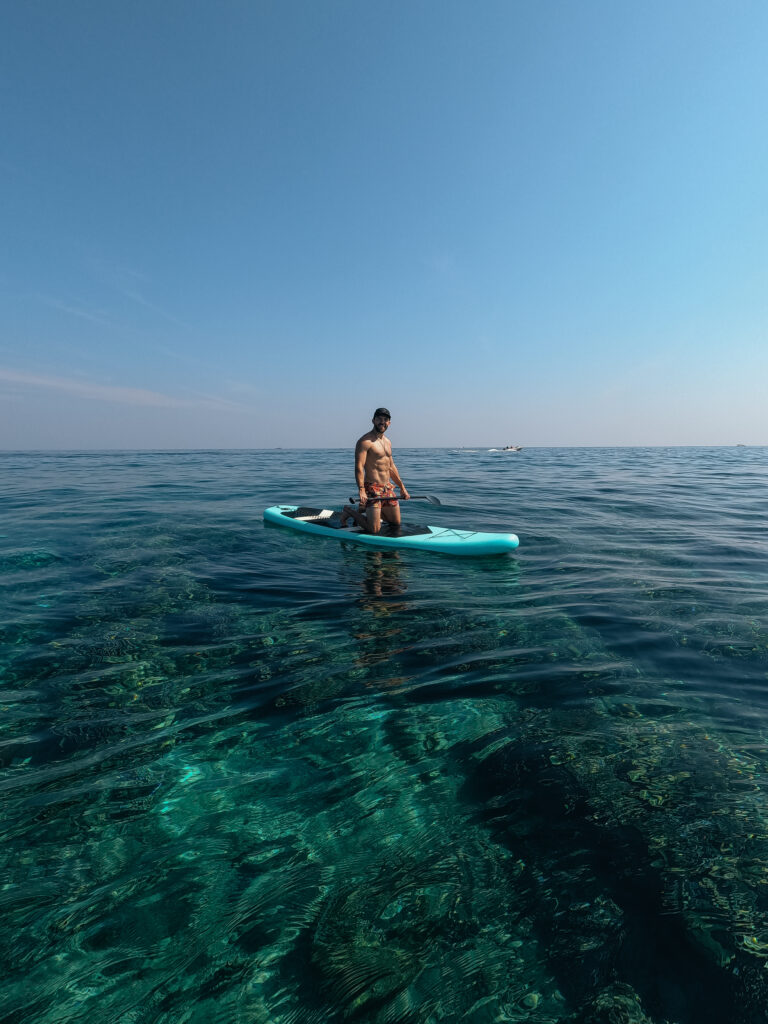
(378, 457)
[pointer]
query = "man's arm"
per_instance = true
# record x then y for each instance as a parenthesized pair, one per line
(361, 451)
(394, 475)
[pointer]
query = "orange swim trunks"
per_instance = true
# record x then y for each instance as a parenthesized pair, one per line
(384, 491)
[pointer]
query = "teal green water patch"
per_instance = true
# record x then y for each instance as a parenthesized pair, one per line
(18, 561)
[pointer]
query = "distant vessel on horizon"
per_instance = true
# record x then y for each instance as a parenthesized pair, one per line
(508, 448)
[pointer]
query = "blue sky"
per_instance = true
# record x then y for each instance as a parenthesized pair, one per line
(247, 224)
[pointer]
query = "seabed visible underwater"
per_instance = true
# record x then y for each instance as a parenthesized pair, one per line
(250, 776)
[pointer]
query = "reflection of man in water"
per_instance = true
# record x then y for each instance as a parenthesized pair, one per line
(375, 471)
(382, 579)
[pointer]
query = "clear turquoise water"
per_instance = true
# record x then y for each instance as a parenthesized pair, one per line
(250, 776)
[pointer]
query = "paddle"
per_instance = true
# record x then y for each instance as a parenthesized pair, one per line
(414, 497)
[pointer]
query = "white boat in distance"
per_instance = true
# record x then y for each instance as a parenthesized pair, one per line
(508, 448)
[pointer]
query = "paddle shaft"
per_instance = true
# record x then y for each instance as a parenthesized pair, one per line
(413, 497)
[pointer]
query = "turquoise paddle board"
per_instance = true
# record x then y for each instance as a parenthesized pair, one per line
(322, 522)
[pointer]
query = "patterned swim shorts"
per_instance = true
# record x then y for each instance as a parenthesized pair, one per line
(384, 491)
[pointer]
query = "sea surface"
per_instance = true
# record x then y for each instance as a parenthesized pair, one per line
(255, 777)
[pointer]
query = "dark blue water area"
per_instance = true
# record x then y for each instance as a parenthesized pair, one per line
(250, 775)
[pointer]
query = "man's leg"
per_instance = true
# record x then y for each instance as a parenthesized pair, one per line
(391, 514)
(358, 518)
(373, 516)
(344, 515)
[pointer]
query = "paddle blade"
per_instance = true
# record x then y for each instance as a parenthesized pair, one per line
(426, 497)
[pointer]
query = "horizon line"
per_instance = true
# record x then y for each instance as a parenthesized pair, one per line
(337, 448)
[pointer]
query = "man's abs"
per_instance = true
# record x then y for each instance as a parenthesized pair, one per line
(377, 469)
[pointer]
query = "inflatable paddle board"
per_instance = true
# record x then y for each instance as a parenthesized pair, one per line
(322, 522)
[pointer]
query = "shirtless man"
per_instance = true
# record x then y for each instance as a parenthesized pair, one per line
(375, 470)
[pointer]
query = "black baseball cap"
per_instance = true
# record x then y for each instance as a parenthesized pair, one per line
(383, 412)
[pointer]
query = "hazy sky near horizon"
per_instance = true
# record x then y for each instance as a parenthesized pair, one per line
(247, 223)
